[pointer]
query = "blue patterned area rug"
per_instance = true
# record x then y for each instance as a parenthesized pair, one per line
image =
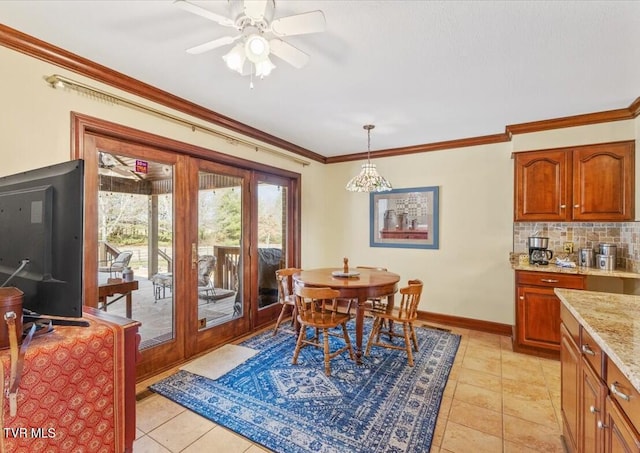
(383, 405)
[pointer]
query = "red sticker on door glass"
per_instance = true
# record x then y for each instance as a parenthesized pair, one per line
(142, 166)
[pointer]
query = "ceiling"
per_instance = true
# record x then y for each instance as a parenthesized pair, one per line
(420, 71)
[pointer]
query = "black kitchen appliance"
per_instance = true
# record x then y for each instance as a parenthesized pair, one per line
(539, 254)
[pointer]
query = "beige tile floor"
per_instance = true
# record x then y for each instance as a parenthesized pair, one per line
(495, 401)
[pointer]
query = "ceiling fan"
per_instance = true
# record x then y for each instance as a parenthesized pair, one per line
(114, 166)
(259, 35)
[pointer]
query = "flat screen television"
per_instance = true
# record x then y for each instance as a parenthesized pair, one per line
(41, 238)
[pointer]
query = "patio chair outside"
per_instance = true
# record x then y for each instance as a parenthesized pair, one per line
(118, 264)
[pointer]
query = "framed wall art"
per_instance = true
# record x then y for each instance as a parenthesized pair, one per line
(404, 218)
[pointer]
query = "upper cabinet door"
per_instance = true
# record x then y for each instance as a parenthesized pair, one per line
(584, 183)
(542, 182)
(603, 182)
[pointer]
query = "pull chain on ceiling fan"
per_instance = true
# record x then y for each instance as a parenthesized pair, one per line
(259, 36)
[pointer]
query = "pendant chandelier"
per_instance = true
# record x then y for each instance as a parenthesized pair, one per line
(368, 180)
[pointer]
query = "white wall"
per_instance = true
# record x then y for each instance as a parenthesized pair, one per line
(468, 276)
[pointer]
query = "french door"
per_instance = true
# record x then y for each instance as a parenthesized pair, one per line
(132, 206)
(203, 239)
(219, 240)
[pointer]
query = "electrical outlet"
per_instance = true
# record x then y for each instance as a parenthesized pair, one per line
(568, 247)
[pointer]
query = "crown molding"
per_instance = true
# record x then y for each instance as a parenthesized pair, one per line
(575, 120)
(634, 108)
(449, 144)
(33, 47)
(608, 116)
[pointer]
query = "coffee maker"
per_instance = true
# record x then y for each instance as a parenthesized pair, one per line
(539, 254)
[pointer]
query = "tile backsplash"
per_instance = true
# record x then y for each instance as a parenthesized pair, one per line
(625, 235)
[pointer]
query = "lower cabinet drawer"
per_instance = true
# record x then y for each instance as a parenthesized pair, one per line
(550, 279)
(621, 390)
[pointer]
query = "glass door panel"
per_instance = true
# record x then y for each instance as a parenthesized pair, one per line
(135, 232)
(220, 241)
(272, 239)
(219, 249)
(273, 247)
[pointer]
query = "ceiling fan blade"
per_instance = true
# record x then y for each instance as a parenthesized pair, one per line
(190, 7)
(122, 171)
(255, 9)
(300, 24)
(213, 44)
(292, 55)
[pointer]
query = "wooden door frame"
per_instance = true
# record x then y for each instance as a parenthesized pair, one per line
(83, 127)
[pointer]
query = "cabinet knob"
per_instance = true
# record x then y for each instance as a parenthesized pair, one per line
(521, 297)
(601, 425)
(562, 206)
(593, 409)
(576, 205)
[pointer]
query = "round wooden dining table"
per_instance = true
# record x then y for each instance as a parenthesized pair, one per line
(368, 284)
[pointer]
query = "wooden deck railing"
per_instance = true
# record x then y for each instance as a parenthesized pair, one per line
(227, 266)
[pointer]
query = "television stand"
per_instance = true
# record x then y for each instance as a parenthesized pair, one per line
(34, 317)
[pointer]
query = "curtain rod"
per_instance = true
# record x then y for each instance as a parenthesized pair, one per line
(58, 81)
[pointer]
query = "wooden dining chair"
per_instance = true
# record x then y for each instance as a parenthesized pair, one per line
(317, 309)
(405, 313)
(286, 298)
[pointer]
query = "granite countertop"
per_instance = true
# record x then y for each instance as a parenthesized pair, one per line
(575, 270)
(613, 321)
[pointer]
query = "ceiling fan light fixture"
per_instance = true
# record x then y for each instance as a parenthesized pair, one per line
(235, 58)
(264, 68)
(257, 48)
(368, 180)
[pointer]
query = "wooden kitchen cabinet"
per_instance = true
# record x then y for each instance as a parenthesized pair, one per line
(569, 382)
(584, 183)
(538, 310)
(619, 435)
(592, 395)
(542, 185)
(600, 408)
